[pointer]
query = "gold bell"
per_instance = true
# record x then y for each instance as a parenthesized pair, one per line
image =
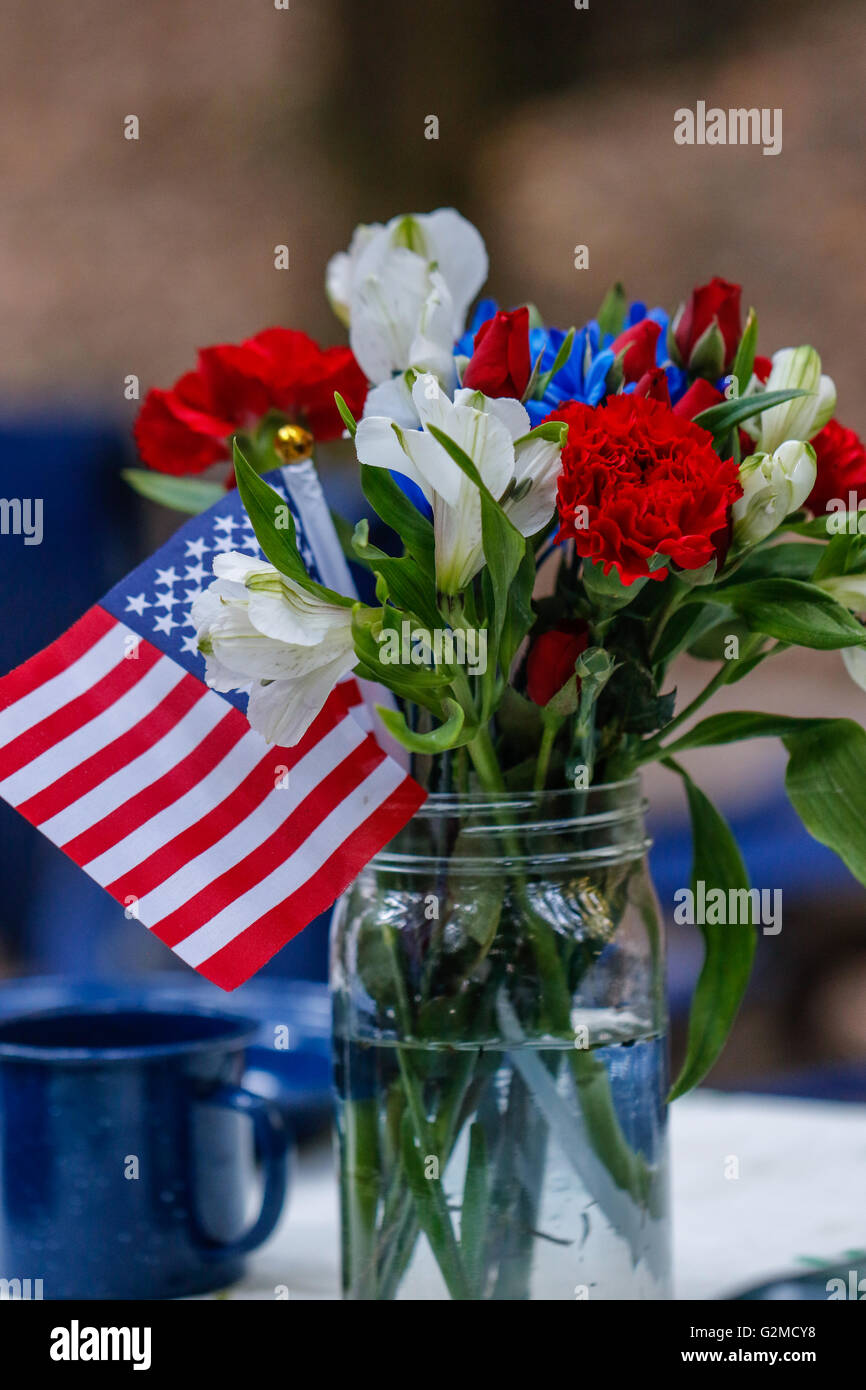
(293, 444)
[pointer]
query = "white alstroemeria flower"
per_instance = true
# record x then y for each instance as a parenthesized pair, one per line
(520, 472)
(404, 290)
(794, 369)
(260, 631)
(774, 485)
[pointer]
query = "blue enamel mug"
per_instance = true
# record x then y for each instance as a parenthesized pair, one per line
(129, 1153)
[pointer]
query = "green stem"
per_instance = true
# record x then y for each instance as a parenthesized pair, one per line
(548, 738)
(652, 748)
(438, 1228)
(627, 1168)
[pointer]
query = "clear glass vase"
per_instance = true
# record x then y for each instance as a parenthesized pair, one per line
(500, 1051)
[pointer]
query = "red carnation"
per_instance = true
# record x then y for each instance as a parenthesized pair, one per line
(638, 480)
(639, 345)
(188, 428)
(719, 303)
(500, 364)
(841, 456)
(551, 659)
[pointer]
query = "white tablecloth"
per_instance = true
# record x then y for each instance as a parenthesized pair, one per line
(759, 1185)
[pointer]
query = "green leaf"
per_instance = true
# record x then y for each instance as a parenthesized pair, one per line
(559, 361)
(685, 627)
(519, 614)
(391, 504)
(345, 531)
(345, 414)
(473, 1212)
(420, 684)
(721, 418)
(796, 613)
(734, 725)
(728, 950)
(744, 360)
(552, 431)
(409, 587)
(826, 784)
(264, 507)
(191, 495)
(830, 524)
(451, 734)
(788, 560)
(611, 314)
(845, 554)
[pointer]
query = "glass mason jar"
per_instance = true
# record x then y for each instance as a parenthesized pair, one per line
(497, 975)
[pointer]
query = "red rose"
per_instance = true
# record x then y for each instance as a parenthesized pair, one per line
(700, 396)
(551, 659)
(500, 364)
(654, 384)
(841, 456)
(639, 343)
(188, 428)
(716, 303)
(638, 480)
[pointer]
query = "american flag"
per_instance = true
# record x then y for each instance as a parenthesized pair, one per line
(111, 743)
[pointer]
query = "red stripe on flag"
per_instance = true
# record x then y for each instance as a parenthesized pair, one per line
(113, 828)
(115, 755)
(240, 802)
(267, 856)
(254, 947)
(49, 663)
(78, 712)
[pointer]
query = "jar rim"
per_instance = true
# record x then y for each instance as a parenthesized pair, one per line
(604, 822)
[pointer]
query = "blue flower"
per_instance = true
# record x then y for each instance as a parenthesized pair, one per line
(583, 376)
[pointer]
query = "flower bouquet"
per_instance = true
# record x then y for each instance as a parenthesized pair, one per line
(557, 515)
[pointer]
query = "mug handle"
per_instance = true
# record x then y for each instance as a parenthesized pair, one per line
(272, 1140)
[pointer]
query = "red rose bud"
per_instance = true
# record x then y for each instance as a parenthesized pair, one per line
(638, 348)
(708, 329)
(500, 364)
(551, 660)
(654, 384)
(700, 396)
(762, 367)
(841, 456)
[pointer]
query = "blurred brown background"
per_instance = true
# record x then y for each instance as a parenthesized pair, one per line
(261, 126)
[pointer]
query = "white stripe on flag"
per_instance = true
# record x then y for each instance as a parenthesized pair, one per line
(138, 774)
(53, 694)
(297, 870)
(245, 838)
(220, 784)
(118, 718)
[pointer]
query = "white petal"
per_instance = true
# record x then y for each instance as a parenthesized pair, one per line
(283, 711)
(459, 252)
(480, 435)
(386, 308)
(235, 567)
(377, 444)
(540, 462)
(394, 399)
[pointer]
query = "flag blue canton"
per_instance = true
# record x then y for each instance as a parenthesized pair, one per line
(156, 599)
